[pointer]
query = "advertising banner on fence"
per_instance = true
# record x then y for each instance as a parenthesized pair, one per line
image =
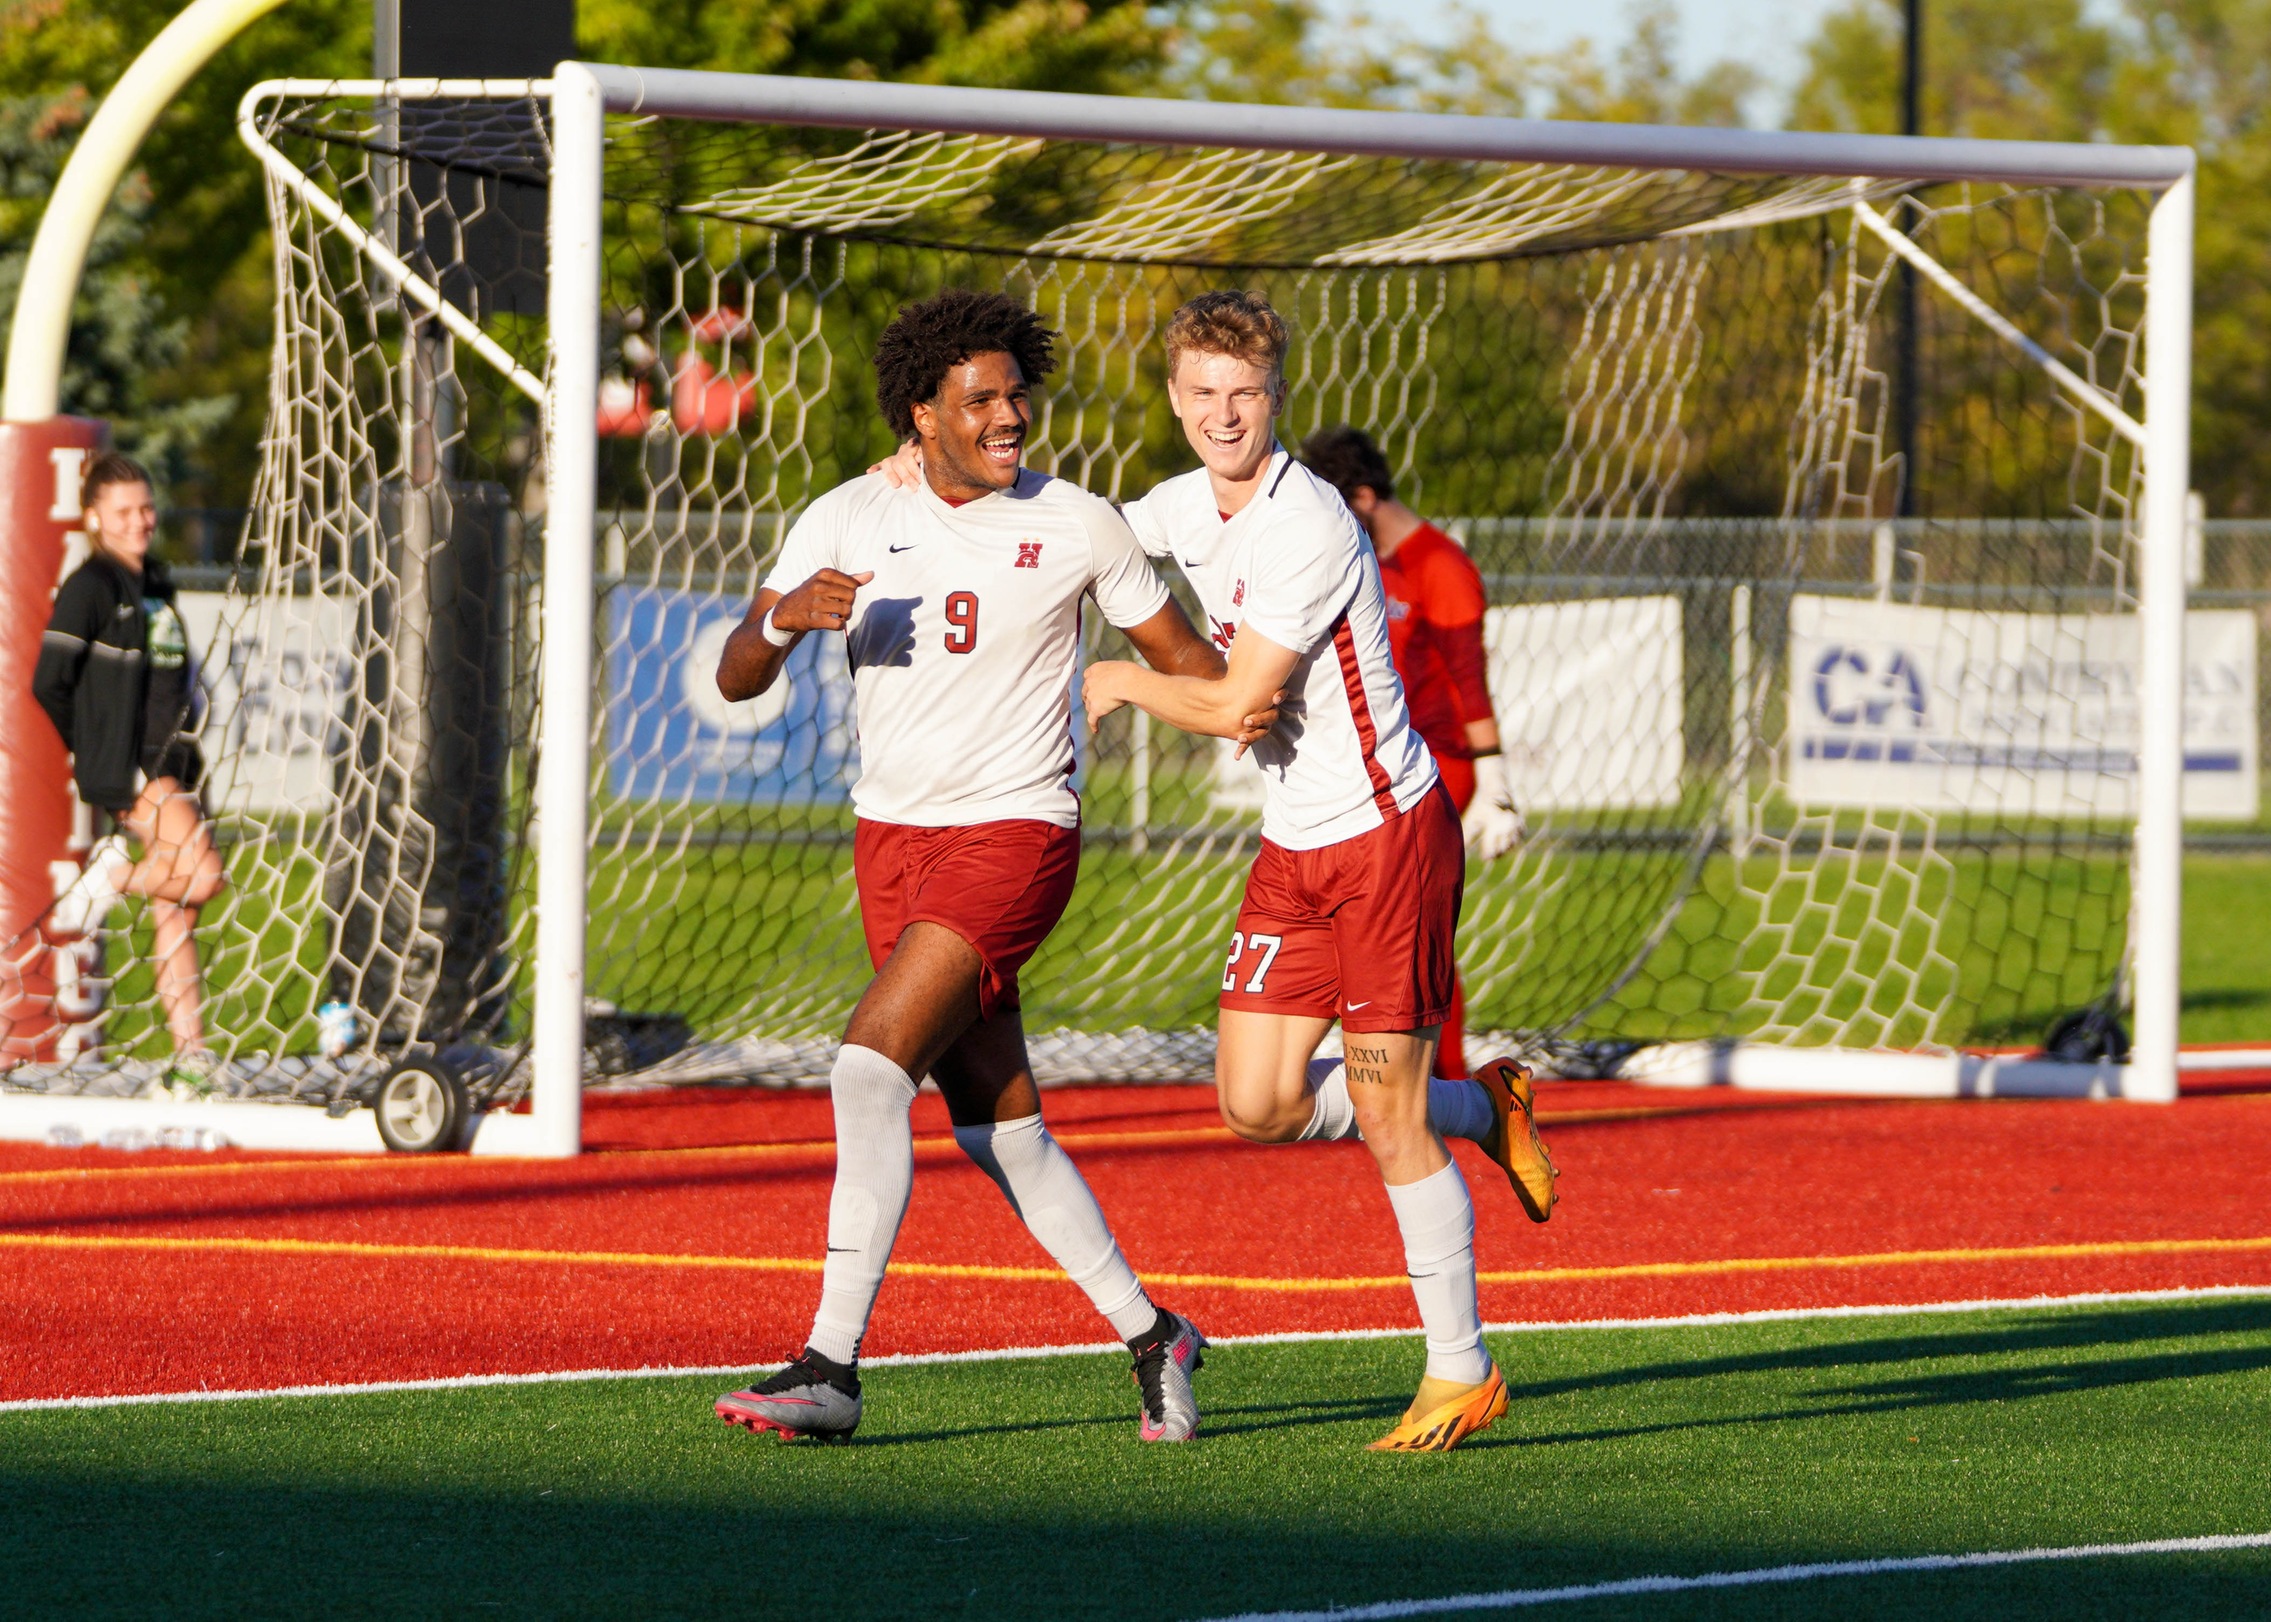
(670, 736)
(1589, 701)
(1945, 709)
(276, 674)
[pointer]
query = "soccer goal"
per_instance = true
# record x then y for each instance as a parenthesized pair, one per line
(1838, 625)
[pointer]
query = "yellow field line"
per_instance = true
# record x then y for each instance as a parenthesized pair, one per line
(1166, 1137)
(1220, 1281)
(490, 1253)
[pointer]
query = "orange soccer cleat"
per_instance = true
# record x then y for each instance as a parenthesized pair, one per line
(1443, 1415)
(1514, 1142)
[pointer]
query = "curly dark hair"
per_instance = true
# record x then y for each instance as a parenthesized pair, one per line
(1346, 459)
(926, 340)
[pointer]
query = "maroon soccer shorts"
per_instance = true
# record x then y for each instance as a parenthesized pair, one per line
(1001, 886)
(1360, 931)
(1458, 775)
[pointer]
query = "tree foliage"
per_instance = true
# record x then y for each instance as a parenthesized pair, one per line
(2196, 72)
(122, 337)
(190, 272)
(1030, 44)
(188, 262)
(197, 255)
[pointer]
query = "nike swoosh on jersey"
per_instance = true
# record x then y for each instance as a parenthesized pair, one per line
(896, 550)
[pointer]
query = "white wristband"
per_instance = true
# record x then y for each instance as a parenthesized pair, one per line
(773, 633)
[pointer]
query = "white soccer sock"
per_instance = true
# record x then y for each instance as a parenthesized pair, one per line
(1438, 1224)
(1456, 1109)
(1334, 1116)
(875, 1171)
(1045, 1188)
(1459, 1109)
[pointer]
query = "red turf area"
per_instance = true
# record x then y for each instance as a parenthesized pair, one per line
(691, 1233)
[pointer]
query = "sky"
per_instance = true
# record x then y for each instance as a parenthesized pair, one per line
(1765, 33)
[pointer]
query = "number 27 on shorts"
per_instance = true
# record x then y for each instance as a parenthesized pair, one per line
(1264, 949)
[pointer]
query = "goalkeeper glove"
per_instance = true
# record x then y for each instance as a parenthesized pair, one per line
(1493, 824)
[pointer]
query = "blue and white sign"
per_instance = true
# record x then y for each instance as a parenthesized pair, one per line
(276, 675)
(1943, 709)
(671, 736)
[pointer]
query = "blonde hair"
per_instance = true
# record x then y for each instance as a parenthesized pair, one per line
(1240, 324)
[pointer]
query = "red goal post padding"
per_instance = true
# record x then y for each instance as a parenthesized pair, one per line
(40, 468)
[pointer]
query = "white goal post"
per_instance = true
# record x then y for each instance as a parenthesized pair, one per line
(582, 95)
(558, 361)
(587, 92)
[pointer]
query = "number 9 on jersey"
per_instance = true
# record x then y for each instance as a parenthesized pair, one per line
(961, 621)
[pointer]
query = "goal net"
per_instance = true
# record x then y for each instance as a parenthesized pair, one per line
(1808, 477)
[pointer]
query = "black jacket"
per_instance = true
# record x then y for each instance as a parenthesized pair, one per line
(93, 674)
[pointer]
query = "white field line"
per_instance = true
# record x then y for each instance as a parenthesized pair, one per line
(1697, 1320)
(1517, 1598)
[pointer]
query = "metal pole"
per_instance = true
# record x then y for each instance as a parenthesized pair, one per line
(1905, 358)
(1739, 739)
(572, 491)
(2156, 876)
(867, 104)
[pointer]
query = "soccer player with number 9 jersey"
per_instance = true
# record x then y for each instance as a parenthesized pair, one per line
(959, 598)
(1353, 902)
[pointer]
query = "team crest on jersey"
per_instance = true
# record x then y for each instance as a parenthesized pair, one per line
(1028, 555)
(1238, 597)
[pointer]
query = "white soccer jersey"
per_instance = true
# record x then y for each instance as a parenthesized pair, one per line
(964, 645)
(1294, 565)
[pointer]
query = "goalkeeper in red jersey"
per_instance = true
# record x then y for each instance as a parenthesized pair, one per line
(1435, 636)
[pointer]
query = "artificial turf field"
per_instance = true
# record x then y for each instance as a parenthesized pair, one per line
(1015, 1487)
(2024, 938)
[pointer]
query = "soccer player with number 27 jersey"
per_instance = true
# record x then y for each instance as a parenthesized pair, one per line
(1353, 901)
(959, 602)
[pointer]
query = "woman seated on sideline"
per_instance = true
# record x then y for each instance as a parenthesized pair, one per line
(114, 675)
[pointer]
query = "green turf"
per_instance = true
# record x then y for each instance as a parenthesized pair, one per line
(766, 937)
(2226, 971)
(1019, 1490)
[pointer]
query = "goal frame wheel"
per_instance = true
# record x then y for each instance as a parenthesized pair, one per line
(422, 1106)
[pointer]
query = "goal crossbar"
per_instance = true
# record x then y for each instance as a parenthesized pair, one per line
(957, 109)
(758, 97)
